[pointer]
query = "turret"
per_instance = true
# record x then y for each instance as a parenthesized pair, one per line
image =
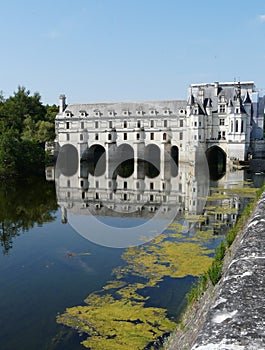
(209, 107)
(62, 103)
(247, 103)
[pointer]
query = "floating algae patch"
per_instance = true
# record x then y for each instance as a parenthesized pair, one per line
(117, 324)
(243, 192)
(167, 258)
(120, 319)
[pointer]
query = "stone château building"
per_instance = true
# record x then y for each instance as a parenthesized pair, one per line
(216, 116)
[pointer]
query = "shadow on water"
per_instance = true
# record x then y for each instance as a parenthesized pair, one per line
(23, 204)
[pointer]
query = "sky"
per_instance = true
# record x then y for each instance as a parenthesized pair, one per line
(128, 50)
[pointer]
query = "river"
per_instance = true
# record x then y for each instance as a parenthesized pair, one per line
(59, 248)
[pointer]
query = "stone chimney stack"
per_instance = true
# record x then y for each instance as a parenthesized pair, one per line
(62, 104)
(216, 88)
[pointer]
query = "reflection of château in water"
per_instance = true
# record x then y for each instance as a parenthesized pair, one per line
(87, 193)
(132, 197)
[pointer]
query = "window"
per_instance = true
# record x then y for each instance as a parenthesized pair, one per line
(125, 124)
(138, 197)
(67, 137)
(96, 137)
(152, 136)
(195, 137)
(97, 196)
(125, 136)
(165, 123)
(97, 184)
(151, 123)
(138, 123)
(164, 136)
(232, 127)
(67, 125)
(125, 185)
(181, 123)
(96, 124)
(223, 135)
(219, 135)
(138, 136)
(195, 123)
(125, 196)
(237, 110)
(81, 137)
(125, 113)
(110, 196)
(110, 124)
(68, 183)
(236, 126)
(181, 136)
(110, 183)
(151, 197)
(242, 125)
(222, 109)
(137, 185)
(82, 125)
(221, 121)
(109, 137)
(83, 195)
(68, 194)
(151, 185)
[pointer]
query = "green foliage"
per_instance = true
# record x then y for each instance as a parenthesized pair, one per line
(215, 271)
(25, 125)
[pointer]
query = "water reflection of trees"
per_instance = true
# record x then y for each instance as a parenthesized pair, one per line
(24, 203)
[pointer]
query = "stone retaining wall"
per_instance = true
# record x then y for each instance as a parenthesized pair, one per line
(235, 318)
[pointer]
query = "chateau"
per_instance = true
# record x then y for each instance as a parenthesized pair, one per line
(217, 116)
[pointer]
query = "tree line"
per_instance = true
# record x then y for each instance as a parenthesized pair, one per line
(25, 125)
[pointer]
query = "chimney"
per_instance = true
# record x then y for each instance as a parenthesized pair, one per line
(62, 105)
(216, 88)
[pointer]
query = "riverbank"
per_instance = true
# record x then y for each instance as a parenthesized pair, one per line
(229, 315)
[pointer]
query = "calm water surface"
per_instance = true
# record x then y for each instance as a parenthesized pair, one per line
(46, 266)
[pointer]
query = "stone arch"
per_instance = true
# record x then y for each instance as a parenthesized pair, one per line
(152, 156)
(96, 158)
(216, 158)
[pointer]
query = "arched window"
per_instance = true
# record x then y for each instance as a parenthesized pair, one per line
(164, 136)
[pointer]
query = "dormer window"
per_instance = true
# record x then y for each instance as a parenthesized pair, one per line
(68, 113)
(139, 112)
(152, 112)
(111, 113)
(166, 111)
(222, 108)
(82, 113)
(125, 113)
(97, 113)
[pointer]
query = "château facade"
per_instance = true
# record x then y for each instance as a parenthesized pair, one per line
(227, 116)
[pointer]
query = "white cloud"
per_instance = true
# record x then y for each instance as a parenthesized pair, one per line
(262, 18)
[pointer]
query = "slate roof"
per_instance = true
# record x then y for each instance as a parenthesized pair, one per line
(119, 107)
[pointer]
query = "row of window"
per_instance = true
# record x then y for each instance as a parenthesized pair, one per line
(125, 136)
(126, 112)
(234, 127)
(125, 124)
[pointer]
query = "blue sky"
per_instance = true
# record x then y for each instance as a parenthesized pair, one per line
(114, 50)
